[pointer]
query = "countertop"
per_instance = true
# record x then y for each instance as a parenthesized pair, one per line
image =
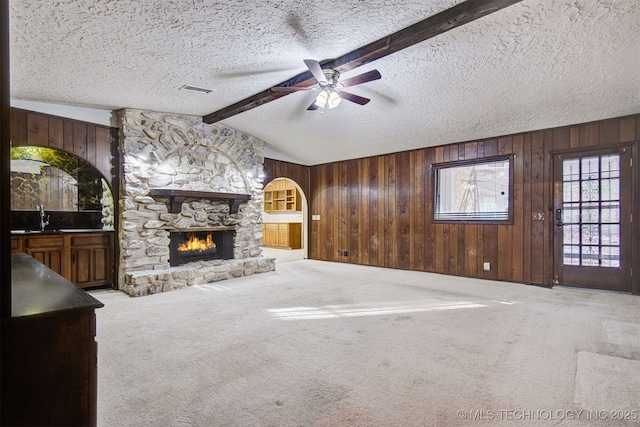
(37, 290)
(60, 231)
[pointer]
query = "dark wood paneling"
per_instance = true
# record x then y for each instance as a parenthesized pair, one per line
(93, 143)
(278, 169)
(388, 206)
(18, 127)
(352, 187)
(628, 130)
(69, 135)
(104, 147)
(404, 194)
(368, 208)
(80, 140)
(517, 236)
(56, 133)
(314, 203)
(37, 129)
(417, 206)
(537, 206)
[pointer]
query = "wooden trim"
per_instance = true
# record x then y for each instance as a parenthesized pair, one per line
(5, 177)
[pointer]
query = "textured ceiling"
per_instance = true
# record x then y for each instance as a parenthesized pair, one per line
(534, 65)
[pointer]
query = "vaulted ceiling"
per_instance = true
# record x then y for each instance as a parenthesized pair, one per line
(533, 65)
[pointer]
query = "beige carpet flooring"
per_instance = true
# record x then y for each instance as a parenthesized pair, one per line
(326, 344)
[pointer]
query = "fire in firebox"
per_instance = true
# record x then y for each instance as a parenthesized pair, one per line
(194, 243)
(200, 245)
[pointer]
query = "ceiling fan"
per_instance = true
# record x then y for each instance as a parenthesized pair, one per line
(331, 90)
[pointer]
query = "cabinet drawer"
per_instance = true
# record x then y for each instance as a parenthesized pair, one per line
(44, 242)
(91, 240)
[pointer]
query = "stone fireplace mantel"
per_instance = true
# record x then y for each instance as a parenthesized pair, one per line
(177, 196)
(180, 174)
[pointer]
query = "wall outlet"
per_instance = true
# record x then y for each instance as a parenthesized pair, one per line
(487, 266)
(315, 217)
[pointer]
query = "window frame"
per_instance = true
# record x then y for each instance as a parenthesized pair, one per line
(437, 167)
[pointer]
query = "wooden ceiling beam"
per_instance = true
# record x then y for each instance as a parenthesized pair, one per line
(460, 14)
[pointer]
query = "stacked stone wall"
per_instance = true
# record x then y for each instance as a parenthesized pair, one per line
(167, 151)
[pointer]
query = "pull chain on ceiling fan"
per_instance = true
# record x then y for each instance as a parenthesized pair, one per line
(332, 92)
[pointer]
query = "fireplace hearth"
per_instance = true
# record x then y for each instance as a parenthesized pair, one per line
(202, 245)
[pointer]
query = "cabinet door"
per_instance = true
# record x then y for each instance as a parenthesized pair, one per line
(15, 245)
(90, 266)
(283, 235)
(81, 266)
(49, 250)
(91, 260)
(52, 258)
(271, 235)
(295, 235)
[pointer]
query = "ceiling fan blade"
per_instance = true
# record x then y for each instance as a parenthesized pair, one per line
(290, 88)
(313, 106)
(354, 98)
(316, 70)
(362, 78)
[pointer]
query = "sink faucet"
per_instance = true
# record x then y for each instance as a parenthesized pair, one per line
(43, 222)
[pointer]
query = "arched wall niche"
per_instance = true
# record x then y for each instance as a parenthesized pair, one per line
(72, 191)
(293, 216)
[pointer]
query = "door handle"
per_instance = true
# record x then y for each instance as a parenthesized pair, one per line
(559, 217)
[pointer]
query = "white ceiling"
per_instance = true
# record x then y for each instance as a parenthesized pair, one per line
(534, 65)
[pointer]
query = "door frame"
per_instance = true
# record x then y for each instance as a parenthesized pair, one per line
(633, 209)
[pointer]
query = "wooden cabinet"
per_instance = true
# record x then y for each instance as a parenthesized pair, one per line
(91, 260)
(282, 235)
(270, 234)
(281, 195)
(84, 258)
(49, 352)
(49, 250)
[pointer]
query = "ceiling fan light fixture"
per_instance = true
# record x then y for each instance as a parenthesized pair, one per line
(334, 99)
(322, 98)
(329, 98)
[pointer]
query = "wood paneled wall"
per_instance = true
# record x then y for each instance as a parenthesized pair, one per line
(378, 211)
(94, 143)
(278, 169)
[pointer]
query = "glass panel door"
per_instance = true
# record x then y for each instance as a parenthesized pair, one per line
(592, 202)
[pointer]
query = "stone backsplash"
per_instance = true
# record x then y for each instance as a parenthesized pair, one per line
(168, 151)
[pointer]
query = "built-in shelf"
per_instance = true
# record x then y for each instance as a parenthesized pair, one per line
(176, 197)
(280, 195)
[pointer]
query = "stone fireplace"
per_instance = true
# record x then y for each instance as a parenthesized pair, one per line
(182, 177)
